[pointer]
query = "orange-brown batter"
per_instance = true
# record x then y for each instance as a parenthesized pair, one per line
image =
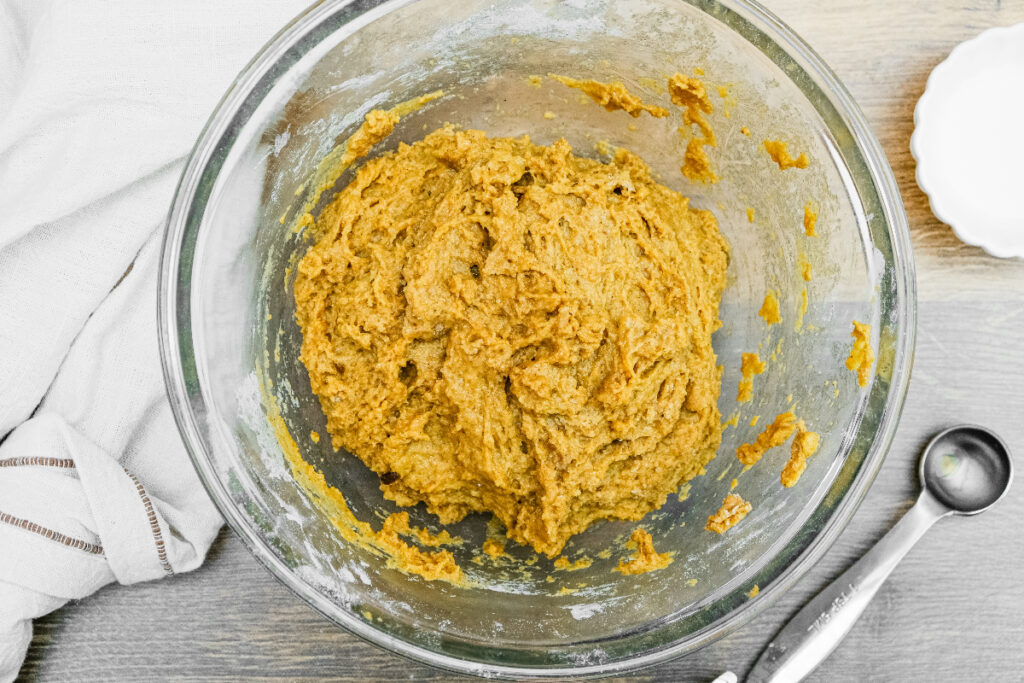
(861, 355)
(779, 152)
(645, 557)
(806, 271)
(496, 326)
(612, 96)
(810, 220)
(564, 564)
(770, 309)
(733, 509)
(690, 94)
(751, 365)
(805, 444)
(377, 125)
(773, 435)
(494, 547)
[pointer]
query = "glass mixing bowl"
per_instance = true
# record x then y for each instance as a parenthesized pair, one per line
(230, 342)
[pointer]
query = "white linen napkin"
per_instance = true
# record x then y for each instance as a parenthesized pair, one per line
(100, 102)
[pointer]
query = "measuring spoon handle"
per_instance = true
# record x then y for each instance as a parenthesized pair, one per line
(811, 636)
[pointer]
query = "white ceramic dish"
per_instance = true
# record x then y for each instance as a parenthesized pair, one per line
(969, 141)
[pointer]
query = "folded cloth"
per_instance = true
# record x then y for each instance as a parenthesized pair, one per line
(100, 102)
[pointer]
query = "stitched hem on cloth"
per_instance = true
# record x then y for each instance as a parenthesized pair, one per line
(56, 536)
(61, 463)
(154, 525)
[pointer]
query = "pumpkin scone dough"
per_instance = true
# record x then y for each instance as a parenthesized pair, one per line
(493, 325)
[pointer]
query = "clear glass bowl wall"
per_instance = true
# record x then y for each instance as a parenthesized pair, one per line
(227, 310)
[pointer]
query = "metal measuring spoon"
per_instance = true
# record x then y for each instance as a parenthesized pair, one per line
(964, 471)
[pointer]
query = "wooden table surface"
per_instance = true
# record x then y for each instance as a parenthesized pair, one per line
(950, 612)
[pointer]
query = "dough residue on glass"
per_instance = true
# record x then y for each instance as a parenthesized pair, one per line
(751, 365)
(773, 435)
(801, 311)
(564, 564)
(437, 565)
(806, 271)
(689, 93)
(494, 547)
(770, 309)
(810, 219)
(612, 96)
(645, 557)
(779, 152)
(861, 355)
(378, 124)
(804, 445)
(727, 100)
(733, 509)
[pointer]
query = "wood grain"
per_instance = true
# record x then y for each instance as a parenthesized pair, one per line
(883, 52)
(950, 612)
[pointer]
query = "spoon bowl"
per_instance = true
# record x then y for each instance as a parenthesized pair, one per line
(964, 470)
(967, 469)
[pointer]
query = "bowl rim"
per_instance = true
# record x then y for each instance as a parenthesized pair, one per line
(175, 341)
